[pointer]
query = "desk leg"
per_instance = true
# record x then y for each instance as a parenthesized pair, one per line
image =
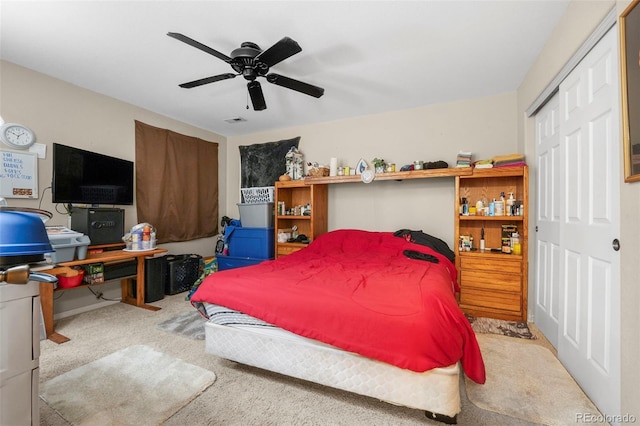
(46, 301)
(127, 288)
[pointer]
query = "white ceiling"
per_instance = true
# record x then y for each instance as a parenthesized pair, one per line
(369, 56)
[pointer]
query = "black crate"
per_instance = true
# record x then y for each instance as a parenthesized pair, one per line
(182, 271)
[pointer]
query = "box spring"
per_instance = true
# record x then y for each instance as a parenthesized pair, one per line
(280, 351)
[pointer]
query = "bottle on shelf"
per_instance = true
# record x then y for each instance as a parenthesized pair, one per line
(510, 205)
(464, 207)
(499, 205)
(480, 208)
(515, 243)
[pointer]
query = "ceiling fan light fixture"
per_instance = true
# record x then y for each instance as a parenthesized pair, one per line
(249, 73)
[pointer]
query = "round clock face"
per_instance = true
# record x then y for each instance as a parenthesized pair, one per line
(17, 136)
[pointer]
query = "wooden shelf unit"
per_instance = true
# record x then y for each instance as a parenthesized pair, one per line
(493, 284)
(298, 192)
(413, 174)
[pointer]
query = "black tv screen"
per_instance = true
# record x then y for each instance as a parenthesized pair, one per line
(85, 177)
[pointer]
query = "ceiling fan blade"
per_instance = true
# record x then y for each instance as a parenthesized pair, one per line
(298, 86)
(198, 45)
(279, 52)
(207, 80)
(257, 98)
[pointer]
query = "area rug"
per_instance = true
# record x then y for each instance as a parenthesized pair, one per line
(134, 386)
(189, 324)
(518, 329)
(526, 381)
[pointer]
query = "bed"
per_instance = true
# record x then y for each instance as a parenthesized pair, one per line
(368, 312)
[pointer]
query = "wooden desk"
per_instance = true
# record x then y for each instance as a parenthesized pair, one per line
(137, 299)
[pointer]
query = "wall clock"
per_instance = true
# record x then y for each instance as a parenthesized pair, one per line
(17, 136)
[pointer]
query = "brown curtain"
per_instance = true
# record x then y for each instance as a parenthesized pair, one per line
(176, 184)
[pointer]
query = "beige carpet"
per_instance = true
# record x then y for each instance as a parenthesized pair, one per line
(527, 381)
(241, 395)
(133, 386)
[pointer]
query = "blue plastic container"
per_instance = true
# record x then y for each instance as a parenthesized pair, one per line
(254, 243)
(23, 234)
(231, 262)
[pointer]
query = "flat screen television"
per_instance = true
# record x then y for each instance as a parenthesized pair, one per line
(85, 177)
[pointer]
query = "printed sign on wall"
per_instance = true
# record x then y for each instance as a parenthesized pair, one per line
(18, 174)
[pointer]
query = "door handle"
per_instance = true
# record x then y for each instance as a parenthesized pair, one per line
(616, 244)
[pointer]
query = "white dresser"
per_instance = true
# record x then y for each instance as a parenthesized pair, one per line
(19, 354)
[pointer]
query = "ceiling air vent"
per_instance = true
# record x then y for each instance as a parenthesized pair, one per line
(235, 120)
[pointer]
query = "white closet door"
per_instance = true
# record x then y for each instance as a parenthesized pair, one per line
(549, 206)
(589, 339)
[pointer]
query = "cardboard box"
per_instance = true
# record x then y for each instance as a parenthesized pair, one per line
(507, 230)
(94, 273)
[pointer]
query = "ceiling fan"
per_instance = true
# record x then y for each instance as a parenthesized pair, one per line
(252, 62)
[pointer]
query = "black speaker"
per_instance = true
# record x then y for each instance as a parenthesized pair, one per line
(102, 225)
(155, 272)
(155, 275)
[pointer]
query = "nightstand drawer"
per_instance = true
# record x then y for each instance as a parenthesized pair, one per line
(491, 281)
(493, 265)
(283, 250)
(489, 299)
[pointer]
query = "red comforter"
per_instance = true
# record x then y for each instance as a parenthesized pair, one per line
(357, 290)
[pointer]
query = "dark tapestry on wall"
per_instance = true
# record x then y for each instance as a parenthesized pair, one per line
(262, 164)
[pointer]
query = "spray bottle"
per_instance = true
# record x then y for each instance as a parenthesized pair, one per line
(510, 202)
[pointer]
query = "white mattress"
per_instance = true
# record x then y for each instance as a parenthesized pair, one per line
(278, 350)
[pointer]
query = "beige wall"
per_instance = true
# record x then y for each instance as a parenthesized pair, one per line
(580, 20)
(485, 126)
(60, 112)
(63, 113)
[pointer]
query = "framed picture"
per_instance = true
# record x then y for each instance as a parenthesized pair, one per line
(361, 166)
(630, 78)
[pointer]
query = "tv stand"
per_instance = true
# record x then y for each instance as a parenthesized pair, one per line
(128, 296)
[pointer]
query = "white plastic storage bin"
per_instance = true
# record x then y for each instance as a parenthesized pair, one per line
(68, 245)
(256, 215)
